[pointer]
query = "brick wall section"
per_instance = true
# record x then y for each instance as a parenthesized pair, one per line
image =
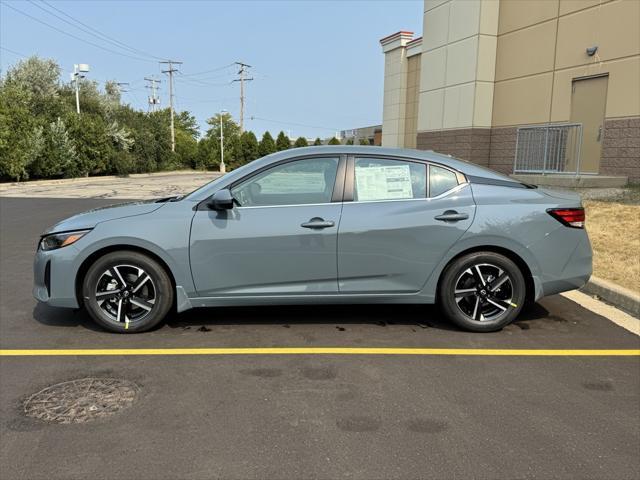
(496, 147)
(503, 149)
(621, 148)
(472, 144)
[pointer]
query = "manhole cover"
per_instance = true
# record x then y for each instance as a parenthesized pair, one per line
(82, 400)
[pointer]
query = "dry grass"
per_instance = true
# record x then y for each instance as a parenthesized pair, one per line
(614, 230)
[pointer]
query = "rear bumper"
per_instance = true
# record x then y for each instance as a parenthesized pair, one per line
(572, 271)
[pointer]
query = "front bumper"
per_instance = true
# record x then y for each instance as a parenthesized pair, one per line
(54, 275)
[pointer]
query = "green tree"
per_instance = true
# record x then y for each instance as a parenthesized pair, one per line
(17, 126)
(231, 130)
(349, 142)
(41, 134)
(282, 142)
(208, 156)
(249, 147)
(334, 141)
(93, 144)
(58, 157)
(301, 142)
(317, 141)
(37, 77)
(364, 141)
(267, 145)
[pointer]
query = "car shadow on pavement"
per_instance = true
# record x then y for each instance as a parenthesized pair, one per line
(415, 315)
(64, 317)
(382, 315)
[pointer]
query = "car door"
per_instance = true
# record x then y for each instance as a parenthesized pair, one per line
(399, 219)
(281, 237)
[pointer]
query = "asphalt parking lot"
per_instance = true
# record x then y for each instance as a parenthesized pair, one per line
(315, 416)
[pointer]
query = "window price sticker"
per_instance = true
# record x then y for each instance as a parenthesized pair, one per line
(384, 183)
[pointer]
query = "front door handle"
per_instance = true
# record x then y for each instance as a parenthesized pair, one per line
(317, 222)
(452, 216)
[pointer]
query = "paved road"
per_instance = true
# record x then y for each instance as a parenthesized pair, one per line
(143, 185)
(325, 416)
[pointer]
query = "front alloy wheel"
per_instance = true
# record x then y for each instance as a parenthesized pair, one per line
(482, 291)
(127, 292)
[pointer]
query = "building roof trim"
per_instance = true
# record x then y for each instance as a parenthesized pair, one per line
(414, 47)
(402, 34)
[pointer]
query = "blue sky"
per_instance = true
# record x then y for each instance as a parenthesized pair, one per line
(317, 64)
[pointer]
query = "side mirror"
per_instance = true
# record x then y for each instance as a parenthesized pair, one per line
(221, 200)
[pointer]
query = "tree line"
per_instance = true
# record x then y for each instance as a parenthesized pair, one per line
(42, 136)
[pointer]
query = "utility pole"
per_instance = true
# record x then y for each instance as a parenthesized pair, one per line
(223, 167)
(171, 71)
(242, 79)
(121, 88)
(153, 99)
(78, 70)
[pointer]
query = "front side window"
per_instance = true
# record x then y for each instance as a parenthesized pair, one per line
(381, 179)
(293, 183)
(441, 180)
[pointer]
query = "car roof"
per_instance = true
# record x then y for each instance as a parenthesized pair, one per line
(462, 166)
(467, 168)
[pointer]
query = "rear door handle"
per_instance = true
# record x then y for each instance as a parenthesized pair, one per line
(318, 223)
(452, 216)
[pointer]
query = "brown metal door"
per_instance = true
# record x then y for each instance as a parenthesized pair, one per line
(588, 101)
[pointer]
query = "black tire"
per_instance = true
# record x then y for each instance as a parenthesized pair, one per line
(466, 293)
(138, 305)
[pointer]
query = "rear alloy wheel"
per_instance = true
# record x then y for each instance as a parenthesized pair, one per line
(482, 292)
(127, 292)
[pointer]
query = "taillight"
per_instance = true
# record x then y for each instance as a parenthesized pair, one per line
(571, 217)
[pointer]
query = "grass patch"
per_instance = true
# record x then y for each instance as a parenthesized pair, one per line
(614, 229)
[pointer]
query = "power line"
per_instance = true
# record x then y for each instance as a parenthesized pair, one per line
(212, 100)
(74, 36)
(98, 32)
(102, 37)
(200, 83)
(14, 52)
(293, 124)
(208, 71)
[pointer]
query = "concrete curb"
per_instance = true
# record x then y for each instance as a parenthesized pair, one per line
(616, 295)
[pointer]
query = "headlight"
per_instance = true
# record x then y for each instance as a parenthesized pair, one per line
(59, 240)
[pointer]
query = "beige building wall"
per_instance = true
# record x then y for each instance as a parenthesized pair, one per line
(396, 69)
(541, 49)
(458, 64)
(457, 75)
(487, 67)
(413, 89)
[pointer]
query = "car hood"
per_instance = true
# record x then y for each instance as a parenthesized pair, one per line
(91, 218)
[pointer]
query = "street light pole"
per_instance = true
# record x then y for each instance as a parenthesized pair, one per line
(78, 70)
(77, 92)
(223, 167)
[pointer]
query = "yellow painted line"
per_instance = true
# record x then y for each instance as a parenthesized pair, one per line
(323, 351)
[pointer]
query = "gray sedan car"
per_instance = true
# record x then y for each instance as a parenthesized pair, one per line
(323, 225)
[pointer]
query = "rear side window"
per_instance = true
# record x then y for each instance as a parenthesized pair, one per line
(441, 180)
(381, 179)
